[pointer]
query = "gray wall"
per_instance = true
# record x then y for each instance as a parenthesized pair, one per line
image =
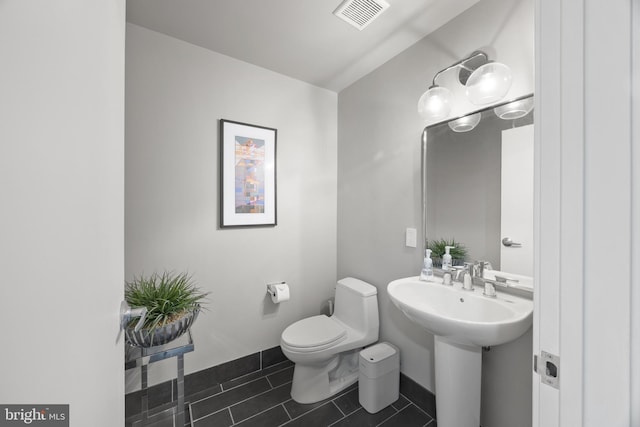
(379, 192)
(176, 93)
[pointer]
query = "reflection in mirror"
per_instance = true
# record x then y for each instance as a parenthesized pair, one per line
(478, 185)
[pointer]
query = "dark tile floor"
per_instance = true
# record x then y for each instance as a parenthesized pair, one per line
(263, 399)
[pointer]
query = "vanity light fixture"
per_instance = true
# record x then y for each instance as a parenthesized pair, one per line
(515, 110)
(466, 123)
(489, 83)
(485, 81)
(435, 103)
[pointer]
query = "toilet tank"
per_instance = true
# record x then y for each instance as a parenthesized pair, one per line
(356, 306)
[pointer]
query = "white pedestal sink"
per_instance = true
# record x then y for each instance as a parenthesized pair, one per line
(462, 323)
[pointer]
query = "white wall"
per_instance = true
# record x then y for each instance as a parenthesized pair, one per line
(176, 93)
(62, 216)
(379, 192)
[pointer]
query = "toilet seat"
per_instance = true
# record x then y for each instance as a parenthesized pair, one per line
(313, 334)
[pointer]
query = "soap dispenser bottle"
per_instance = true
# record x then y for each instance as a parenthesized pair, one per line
(427, 268)
(446, 258)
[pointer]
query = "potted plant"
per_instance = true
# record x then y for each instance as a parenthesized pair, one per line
(172, 302)
(458, 251)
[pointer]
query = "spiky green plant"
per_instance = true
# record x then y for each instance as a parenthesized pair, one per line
(167, 297)
(459, 251)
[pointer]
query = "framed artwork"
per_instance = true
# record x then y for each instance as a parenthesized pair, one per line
(247, 175)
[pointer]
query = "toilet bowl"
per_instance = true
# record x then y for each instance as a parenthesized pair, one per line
(325, 349)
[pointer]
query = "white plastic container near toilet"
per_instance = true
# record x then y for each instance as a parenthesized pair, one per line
(379, 378)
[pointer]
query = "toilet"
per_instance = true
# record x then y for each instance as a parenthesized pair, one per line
(325, 349)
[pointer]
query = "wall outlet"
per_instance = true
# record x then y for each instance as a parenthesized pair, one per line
(411, 237)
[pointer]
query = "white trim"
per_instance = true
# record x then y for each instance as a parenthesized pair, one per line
(635, 213)
(547, 203)
(572, 216)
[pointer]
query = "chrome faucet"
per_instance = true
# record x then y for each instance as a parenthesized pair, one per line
(477, 271)
(468, 267)
(505, 283)
(478, 277)
(467, 276)
(453, 274)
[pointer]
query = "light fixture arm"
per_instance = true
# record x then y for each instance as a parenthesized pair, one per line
(462, 64)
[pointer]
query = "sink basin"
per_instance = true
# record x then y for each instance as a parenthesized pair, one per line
(463, 317)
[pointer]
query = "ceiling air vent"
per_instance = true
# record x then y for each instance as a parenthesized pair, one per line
(360, 13)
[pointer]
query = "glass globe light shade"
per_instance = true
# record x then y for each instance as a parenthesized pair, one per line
(488, 83)
(514, 110)
(435, 103)
(466, 123)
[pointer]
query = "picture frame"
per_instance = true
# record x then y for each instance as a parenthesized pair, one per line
(247, 175)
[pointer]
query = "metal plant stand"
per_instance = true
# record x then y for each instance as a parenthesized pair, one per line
(143, 357)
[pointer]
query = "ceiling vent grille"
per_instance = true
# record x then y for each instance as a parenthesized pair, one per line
(360, 13)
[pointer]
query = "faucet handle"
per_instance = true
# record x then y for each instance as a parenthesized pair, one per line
(458, 269)
(504, 279)
(489, 289)
(478, 269)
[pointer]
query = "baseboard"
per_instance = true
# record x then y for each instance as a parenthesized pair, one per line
(419, 395)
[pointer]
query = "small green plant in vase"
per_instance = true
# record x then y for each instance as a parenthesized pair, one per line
(458, 251)
(172, 302)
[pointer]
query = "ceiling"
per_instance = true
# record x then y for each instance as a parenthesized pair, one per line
(298, 38)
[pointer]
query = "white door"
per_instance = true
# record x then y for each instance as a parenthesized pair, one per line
(516, 216)
(62, 215)
(586, 205)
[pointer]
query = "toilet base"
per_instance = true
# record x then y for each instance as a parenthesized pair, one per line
(313, 383)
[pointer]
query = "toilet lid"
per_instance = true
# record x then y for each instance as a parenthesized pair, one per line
(313, 332)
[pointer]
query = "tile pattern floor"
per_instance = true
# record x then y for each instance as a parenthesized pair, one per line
(263, 399)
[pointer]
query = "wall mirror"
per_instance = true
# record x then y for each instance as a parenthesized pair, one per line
(477, 174)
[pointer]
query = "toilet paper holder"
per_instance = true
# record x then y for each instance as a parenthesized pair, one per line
(271, 288)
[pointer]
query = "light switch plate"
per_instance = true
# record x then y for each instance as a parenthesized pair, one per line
(411, 237)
